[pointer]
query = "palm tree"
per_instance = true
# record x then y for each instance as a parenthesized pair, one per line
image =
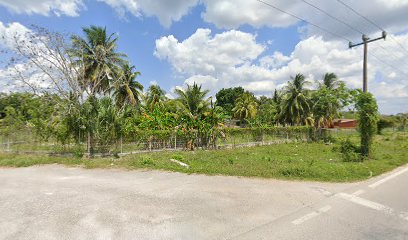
(295, 103)
(193, 98)
(330, 81)
(245, 107)
(127, 90)
(97, 59)
(155, 96)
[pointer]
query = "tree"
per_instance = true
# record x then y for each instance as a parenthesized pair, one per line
(295, 105)
(127, 90)
(226, 98)
(99, 62)
(330, 81)
(276, 98)
(367, 108)
(327, 103)
(193, 98)
(245, 107)
(96, 56)
(155, 97)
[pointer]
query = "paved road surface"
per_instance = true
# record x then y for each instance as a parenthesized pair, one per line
(55, 202)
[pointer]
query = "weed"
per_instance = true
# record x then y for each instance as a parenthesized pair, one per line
(147, 161)
(177, 157)
(349, 151)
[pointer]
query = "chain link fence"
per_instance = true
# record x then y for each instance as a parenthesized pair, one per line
(25, 142)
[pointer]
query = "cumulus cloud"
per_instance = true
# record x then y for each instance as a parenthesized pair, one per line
(10, 33)
(235, 58)
(230, 14)
(204, 54)
(44, 7)
(18, 73)
(166, 11)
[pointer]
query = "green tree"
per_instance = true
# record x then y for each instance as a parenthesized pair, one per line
(330, 81)
(98, 62)
(327, 103)
(295, 105)
(97, 58)
(127, 90)
(245, 107)
(367, 108)
(193, 98)
(155, 97)
(226, 98)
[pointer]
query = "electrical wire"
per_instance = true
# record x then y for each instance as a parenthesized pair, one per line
(333, 17)
(304, 20)
(371, 22)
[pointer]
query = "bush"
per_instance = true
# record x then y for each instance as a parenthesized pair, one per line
(349, 151)
(384, 123)
(368, 117)
(146, 161)
(78, 151)
(177, 157)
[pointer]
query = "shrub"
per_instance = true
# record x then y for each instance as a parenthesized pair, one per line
(147, 161)
(367, 108)
(349, 151)
(177, 157)
(78, 151)
(384, 123)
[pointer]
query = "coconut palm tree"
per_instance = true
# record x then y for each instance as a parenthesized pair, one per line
(193, 98)
(155, 97)
(330, 81)
(295, 102)
(97, 59)
(127, 90)
(245, 107)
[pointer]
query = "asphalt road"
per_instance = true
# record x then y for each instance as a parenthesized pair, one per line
(55, 202)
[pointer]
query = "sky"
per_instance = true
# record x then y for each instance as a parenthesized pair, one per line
(228, 43)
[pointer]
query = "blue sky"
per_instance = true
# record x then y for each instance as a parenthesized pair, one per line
(137, 35)
(249, 44)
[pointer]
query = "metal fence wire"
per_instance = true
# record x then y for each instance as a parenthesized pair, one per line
(27, 142)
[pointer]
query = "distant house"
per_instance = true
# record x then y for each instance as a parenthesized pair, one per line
(345, 123)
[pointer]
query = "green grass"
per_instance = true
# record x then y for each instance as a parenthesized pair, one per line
(299, 161)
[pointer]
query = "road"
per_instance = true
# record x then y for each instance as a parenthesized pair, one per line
(55, 202)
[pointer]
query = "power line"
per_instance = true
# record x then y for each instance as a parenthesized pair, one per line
(326, 30)
(333, 17)
(304, 20)
(372, 22)
(389, 65)
(397, 58)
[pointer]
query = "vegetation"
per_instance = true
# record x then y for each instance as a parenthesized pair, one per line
(368, 117)
(226, 98)
(94, 98)
(303, 161)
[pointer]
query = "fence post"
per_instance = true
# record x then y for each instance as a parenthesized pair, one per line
(121, 144)
(175, 142)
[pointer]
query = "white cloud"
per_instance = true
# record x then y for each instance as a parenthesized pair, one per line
(235, 58)
(206, 55)
(234, 13)
(390, 15)
(230, 14)
(21, 45)
(166, 11)
(11, 32)
(44, 7)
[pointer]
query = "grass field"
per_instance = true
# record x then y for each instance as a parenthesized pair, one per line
(300, 161)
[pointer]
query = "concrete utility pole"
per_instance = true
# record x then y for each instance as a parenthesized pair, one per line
(366, 40)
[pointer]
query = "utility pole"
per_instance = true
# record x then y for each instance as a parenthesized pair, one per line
(366, 40)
